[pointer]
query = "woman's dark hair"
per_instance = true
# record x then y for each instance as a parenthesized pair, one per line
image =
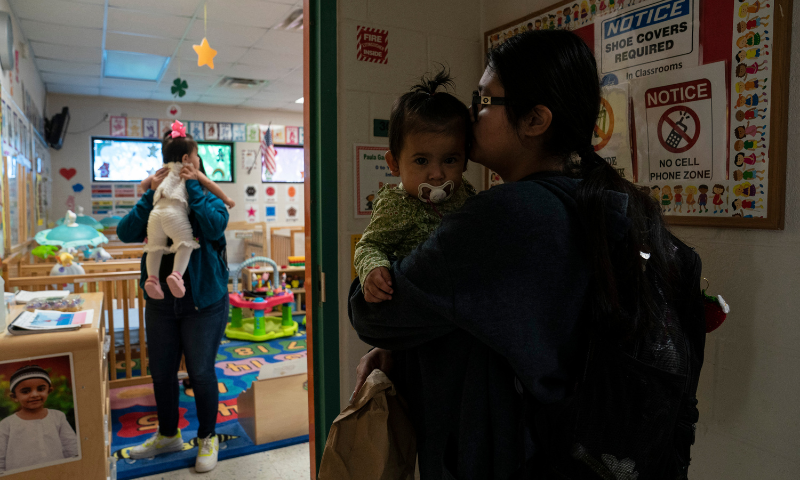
(555, 69)
(424, 109)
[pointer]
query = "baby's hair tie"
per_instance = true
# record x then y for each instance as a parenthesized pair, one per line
(178, 129)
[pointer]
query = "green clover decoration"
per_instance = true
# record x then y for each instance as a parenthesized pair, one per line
(179, 87)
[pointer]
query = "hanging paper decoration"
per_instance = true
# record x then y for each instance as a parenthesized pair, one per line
(134, 127)
(164, 127)
(118, 127)
(239, 132)
(197, 130)
(279, 134)
(225, 132)
(205, 54)
(174, 111)
(292, 135)
(253, 133)
(179, 87)
(211, 131)
(150, 128)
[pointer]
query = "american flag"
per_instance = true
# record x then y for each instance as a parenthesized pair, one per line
(268, 152)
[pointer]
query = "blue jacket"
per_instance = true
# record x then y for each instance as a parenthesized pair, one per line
(208, 272)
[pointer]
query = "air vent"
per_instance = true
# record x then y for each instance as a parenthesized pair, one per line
(234, 82)
(293, 22)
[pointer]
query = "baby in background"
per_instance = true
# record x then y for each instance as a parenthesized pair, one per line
(34, 434)
(429, 133)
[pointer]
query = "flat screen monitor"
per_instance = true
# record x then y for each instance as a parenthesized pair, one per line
(116, 159)
(217, 160)
(289, 165)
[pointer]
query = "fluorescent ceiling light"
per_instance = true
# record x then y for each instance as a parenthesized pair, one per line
(300, 100)
(134, 66)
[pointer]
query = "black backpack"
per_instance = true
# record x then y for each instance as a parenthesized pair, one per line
(632, 415)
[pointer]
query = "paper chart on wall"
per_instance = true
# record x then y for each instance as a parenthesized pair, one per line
(371, 174)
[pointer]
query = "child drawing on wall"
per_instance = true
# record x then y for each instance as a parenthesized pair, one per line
(678, 198)
(751, 100)
(717, 191)
(750, 54)
(747, 189)
(575, 14)
(740, 204)
(750, 85)
(537, 24)
(655, 192)
(584, 11)
(593, 7)
(702, 200)
(750, 114)
(751, 174)
(752, 23)
(666, 199)
(750, 39)
(691, 191)
(741, 159)
(34, 434)
(567, 17)
(749, 130)
(745, 9)
(748, 145)
(742, 70)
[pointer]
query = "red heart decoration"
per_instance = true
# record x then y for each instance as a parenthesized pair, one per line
(173, 111)
(67, 173)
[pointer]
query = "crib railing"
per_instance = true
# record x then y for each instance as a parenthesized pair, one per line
(121, 292)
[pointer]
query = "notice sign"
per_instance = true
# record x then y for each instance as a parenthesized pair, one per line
(650, 33)
(611, 137)
(683, 118)
(373, 45)
(371, 174)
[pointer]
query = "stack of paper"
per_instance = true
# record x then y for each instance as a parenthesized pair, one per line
(41, 321)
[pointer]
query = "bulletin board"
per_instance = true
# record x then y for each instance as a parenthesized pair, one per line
(695, 100)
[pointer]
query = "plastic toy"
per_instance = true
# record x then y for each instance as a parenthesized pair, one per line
(260, 327)
(98, 254)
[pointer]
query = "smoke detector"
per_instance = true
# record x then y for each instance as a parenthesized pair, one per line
(294, 21)
(234, 82)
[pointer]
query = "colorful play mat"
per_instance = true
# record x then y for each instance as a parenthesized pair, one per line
(133, 410)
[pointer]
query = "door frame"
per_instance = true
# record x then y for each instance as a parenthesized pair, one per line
(322, 219)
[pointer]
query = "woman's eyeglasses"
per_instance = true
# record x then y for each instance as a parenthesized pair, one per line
(478, 101)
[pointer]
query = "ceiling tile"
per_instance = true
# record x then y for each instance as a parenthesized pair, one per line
(125, 93)
(71, 68)
(128, 84)
(225, 54)
(240, 93)
(248, 12)
(77, 80)
(135, 43)
(93, 2)
(61, 35)
(288, 41)
(261, 104)
(197, 83)
(184, 8)
(63, 52)
(230, 34)
(213, 100)
(268, 58)
(59, 12)
(72, 89)
(276, 94)
(258, 73)
(188, 66)
(292, 107)
(153, 24)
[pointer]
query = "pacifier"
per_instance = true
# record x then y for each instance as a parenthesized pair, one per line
(436, 194)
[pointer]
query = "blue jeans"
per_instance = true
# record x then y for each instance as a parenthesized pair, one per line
(174, 327)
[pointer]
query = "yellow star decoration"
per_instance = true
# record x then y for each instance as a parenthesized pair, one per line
(205, 54)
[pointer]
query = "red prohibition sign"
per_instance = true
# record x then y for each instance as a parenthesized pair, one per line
(678, 130)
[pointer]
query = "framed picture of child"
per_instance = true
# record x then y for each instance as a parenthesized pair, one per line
(38, 413)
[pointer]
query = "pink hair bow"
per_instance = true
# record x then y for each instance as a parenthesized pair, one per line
(178, 129)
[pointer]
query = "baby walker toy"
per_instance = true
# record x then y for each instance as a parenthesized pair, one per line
(261, 328)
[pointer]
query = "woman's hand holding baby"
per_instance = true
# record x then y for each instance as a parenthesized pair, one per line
(378, 285)
(189, 172)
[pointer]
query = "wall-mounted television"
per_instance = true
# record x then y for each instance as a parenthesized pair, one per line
(217, 160)
(290, 165)
(120, 159)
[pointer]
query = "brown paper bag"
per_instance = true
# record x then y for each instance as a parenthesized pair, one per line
(372, 439)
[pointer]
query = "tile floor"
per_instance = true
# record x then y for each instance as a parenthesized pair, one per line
(289, 463)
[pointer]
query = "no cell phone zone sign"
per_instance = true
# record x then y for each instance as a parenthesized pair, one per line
(679, 130)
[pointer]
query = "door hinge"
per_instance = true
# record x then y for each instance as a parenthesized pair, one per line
(322, 287)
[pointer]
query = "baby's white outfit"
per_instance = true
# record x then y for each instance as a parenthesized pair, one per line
(25, 443)
(170, 215)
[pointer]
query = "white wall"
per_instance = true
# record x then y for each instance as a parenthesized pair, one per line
(421, 33)
(86, 112)
(750, 383)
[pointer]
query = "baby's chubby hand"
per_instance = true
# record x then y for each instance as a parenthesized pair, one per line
(378, 285)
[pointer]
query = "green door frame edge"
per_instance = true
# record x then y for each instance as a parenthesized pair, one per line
(324, 215)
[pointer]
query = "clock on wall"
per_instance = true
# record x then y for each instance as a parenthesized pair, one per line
(6, 42)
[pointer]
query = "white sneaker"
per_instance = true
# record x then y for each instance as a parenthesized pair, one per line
(158, 444)
(207, 452)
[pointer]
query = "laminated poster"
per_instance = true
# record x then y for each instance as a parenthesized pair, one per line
(371, 174)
